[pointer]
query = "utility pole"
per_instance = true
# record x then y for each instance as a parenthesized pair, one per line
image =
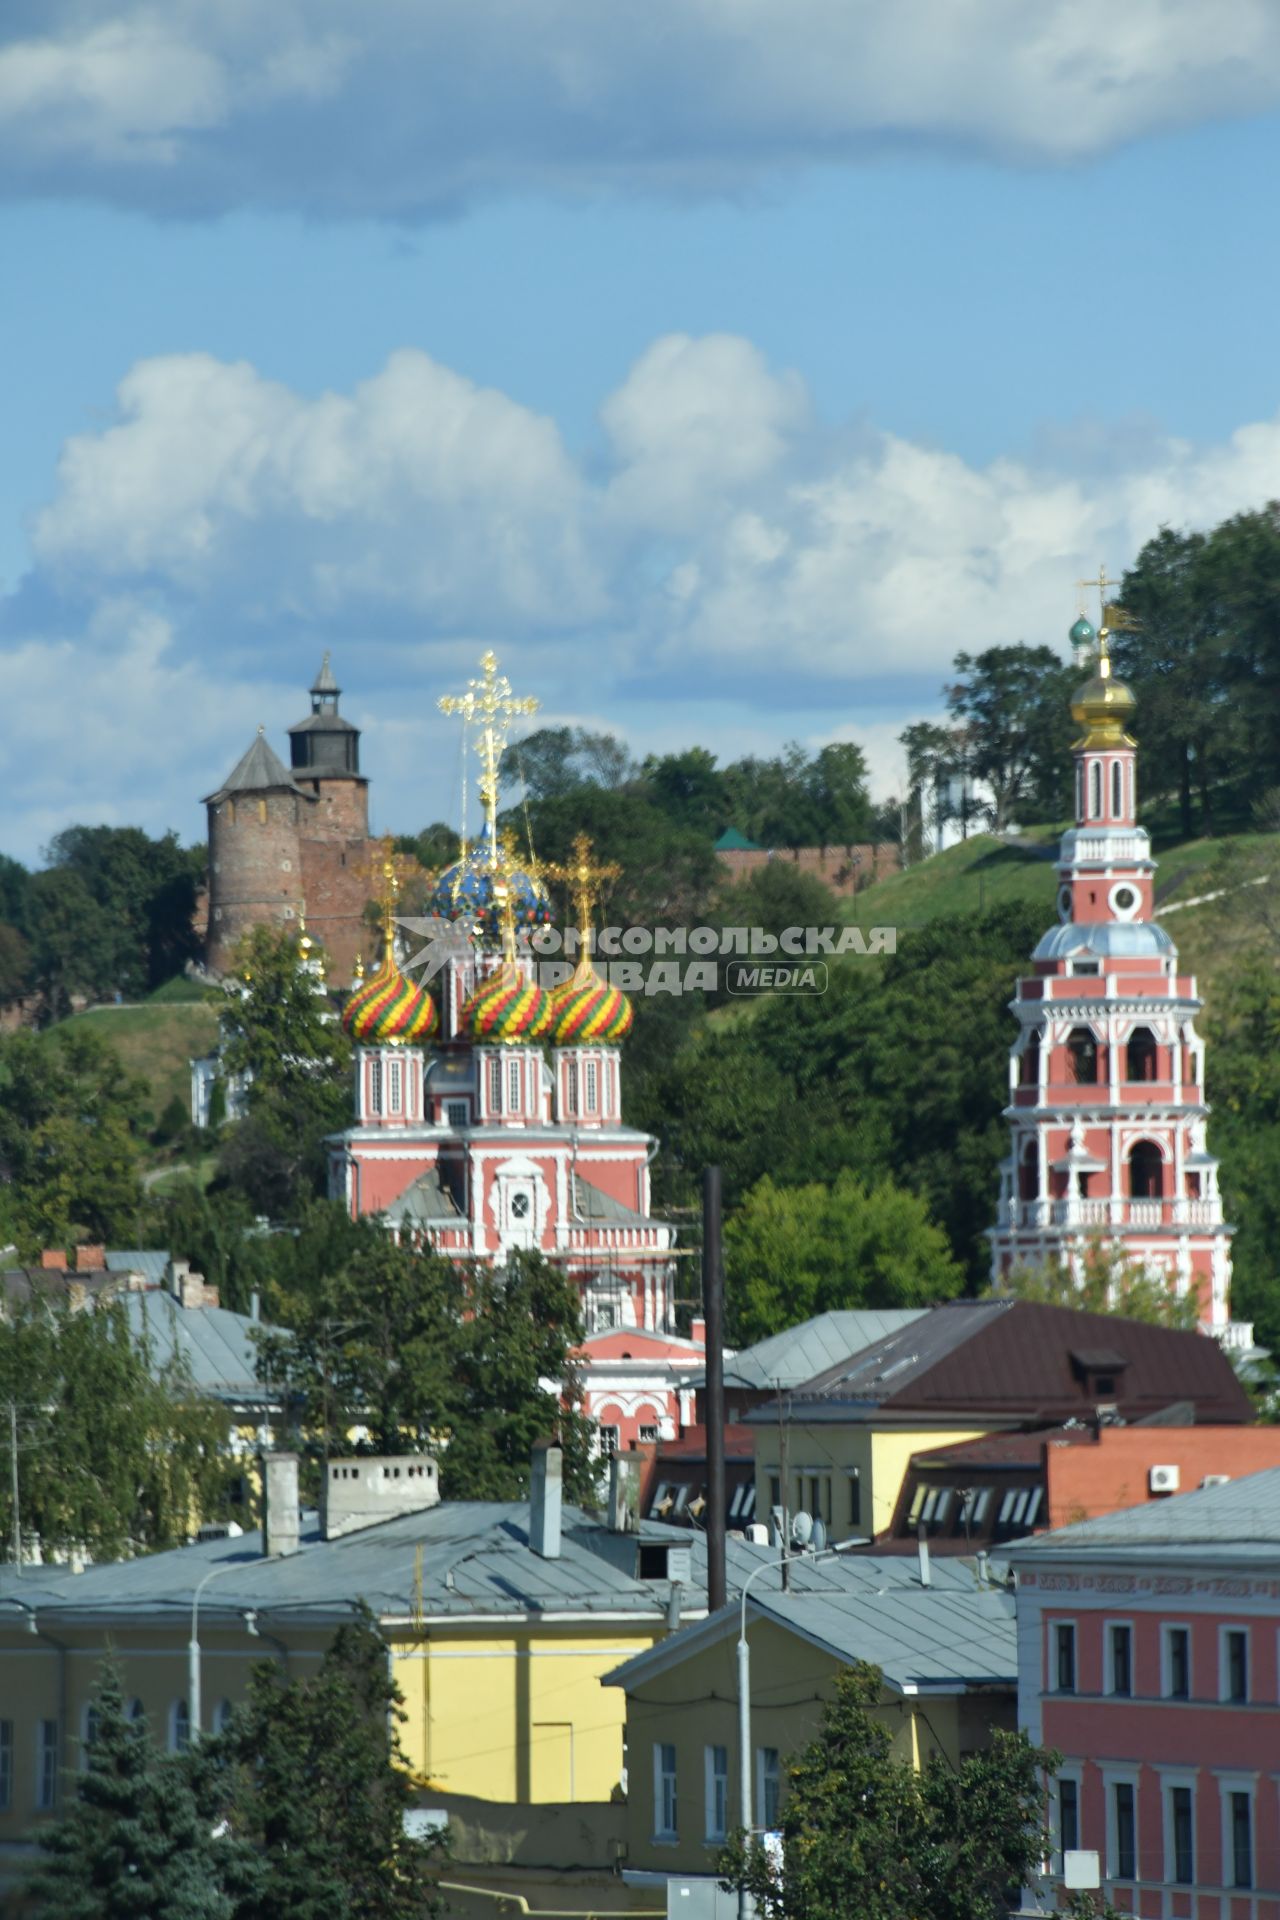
(713, 1309)
(784, 1478)
(13, 1486)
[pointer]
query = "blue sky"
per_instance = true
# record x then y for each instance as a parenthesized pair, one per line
(726, 383)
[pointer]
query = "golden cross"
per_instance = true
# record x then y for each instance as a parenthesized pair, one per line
(584, 878)
(489, 704)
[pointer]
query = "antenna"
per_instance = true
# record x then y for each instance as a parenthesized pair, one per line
(802, 1529)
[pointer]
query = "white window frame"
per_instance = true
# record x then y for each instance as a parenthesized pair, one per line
(571, 1088)
(591, 1079)
(457, 1113)
(222, 1716)
(1113, 1777)
(664, 1832)
(515, 1097)
(1167, 1630)
(6, 1765)
(47, 1765)
(715, 1799)
(495, 1083)
(395, 1085)
(1171, 1779)
(375, 1084)
(1229, 1783)
(1108, 1657)
(1057, 1626)
(768, 1771)
(1224, 1667)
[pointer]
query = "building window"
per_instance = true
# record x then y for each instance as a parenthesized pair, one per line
(716, 1769)
(855, 1498)
(1068, 1815)
(1124, 1851)
(768, 1788)
(495, 1084)
(6, 1764)
(1140, 1056)
(513, 1086)
(375, 1084)
(1177, 1663)
(1064, 1645)
(1120, 1651)
(1146, 1171)
(1235, 1664)
(222, 1716)
(1240, 1836)
(1082, 1049)
(137, 1711)
(610, 1440)
(648, 1432)
(179, 1727)
(1079, 790)
(1182, 1847)
(816, 1493)
(456, 1113)
(593, 1086)
(395, 1086)
(1095, 790)
(88, 1732)
(1117, 789)
(571, 1086)
(665, 1815)
(47, 1765)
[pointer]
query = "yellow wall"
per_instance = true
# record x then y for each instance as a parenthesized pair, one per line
(694, 1705)
(507, 1714)
(879, 1456)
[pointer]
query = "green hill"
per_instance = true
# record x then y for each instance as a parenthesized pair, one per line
(157, 1040)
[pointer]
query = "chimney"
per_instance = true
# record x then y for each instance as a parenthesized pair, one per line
(544, 1499)
(255, 1305)
(698, 1330)
(361, 1492)
(922, 1548)
(54, 1260)
(280, 1519)
(624, 1493)
(88, 1259)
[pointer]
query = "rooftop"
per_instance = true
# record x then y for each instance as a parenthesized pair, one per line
(796, 1355)
(260, 770)
(1243, 1516)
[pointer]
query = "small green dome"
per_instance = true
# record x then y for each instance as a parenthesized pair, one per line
(1082, 634)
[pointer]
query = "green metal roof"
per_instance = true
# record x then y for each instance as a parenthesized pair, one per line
(731, 841)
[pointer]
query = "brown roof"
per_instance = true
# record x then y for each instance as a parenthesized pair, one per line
(1027, 1362)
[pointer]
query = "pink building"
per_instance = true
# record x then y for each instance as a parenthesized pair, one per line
(1149, 1656)
(1107, 1110)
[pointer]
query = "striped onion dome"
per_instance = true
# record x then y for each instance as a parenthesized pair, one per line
(506, 1006)
(389, 1007)
(589, 1012)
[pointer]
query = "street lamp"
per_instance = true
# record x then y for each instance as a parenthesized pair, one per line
(193, 1645)
(744, 1691)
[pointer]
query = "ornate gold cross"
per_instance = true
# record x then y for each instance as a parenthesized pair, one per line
(490, 705)
(585, 878)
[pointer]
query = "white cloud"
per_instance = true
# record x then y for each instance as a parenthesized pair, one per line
(211, 104)
(737, 574)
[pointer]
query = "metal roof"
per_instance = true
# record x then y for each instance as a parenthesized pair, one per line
(217, 1345)
(150, 1262)
(260, 770)
(1243, 1514)
(425, 1198)
(956, 1632)
(592, 1203)
(795, 1356)
(1113, 940)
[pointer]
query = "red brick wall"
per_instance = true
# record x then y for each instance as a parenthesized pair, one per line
(342, 807)
(844, 869)
(255, 875)
(1084, 1481)
(337, 884)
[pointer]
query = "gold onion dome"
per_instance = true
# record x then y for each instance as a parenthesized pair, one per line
(389, 1008)
(507, 1007)
(589, 1012)
(1103, 705)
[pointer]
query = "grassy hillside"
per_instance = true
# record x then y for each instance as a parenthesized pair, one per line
(157, 1040)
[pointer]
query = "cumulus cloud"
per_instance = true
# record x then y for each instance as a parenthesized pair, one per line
(726, 568)
(409, 110)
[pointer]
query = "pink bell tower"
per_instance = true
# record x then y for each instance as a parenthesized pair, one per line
(1106, 1110)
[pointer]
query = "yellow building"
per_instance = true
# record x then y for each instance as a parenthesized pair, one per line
(947, 1652)
(502, 1617)
(847, 1472)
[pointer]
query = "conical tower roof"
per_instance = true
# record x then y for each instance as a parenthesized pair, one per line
(260, 770)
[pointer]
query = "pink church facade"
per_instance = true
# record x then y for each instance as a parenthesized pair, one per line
(1107, 1110)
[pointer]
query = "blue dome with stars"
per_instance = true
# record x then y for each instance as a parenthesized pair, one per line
(466, 890)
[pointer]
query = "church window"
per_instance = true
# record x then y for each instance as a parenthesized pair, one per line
(520, 1206)
(1029, 1173)
(456, 1113)
(395, 1086)
(513, 1086)
(375, 1084)
(593, 1086)
(1146, 1171)
(1031, 1064)
(1079, 790)
(1117, 794)
(262, 812)
(1140, 1059)
(571, 1087)
(1095, 790)
(495, 1084)
(1082, 1050)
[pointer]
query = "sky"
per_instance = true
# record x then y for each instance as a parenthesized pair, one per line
(726, 366)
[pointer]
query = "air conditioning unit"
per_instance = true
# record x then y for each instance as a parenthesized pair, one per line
(1215, 1480)
(1163, 1479)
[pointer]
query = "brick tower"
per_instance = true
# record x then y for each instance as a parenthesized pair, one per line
(284, 841)
(1106, 1078)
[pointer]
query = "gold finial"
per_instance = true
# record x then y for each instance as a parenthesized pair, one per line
(1112, 617)
(359, 968)
(389, 893)
(305, 942)
(489, 704)
(585, 879)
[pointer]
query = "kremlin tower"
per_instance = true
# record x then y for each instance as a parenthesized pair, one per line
(495, 1123)
(1106, 1077)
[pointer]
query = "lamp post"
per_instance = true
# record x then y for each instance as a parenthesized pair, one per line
(193, 1645)
(744, 1693)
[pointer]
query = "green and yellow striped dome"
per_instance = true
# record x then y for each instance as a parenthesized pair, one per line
(507, 1007)
(589, 1012)
(390, 1008)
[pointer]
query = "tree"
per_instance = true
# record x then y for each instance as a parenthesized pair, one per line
(70, 933)
(1013, 704)
(553, 761)
(116, 1453)
(792, 1252)
(282, 1035)
(133, 1845)
(1109, 1282)
(864, 1834)
(15, 963)
(70, 1121)
(311, 1778)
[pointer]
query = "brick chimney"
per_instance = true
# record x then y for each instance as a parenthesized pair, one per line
(545, 1493)
(88, 1259)
(281, 1522)
(54, 1259)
